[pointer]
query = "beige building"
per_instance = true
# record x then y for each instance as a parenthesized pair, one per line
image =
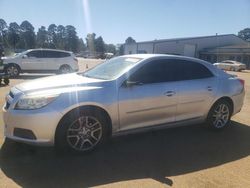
(239, 53)
(211, 48)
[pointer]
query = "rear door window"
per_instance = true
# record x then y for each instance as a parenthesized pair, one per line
(189, 70)
(169, 70)
(55, 54)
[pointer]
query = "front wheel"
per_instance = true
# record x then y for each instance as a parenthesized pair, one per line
(12, 70)
(6, 81)
(232, 69)
(219, 115)
(82, 131)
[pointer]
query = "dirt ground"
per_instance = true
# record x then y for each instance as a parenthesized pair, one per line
(178, 157)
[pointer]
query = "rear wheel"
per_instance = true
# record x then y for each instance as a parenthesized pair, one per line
(219, 115)
(82, 131)
(64, 69)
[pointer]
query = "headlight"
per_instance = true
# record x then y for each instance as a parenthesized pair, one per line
(34, 102)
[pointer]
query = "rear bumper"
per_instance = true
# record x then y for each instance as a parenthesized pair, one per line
(238, 101)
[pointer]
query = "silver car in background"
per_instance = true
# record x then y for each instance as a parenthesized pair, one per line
(79, 111)
(230, 65)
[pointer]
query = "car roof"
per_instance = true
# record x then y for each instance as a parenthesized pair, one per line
(147, 56)
(55, 50)
(230, 61)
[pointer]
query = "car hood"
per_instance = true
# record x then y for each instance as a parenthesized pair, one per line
(9, 59)
(59, 83)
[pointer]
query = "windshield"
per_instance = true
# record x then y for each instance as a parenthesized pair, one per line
(112, 68)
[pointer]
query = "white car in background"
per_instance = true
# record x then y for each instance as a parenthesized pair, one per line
(230, 65)
(41, 61)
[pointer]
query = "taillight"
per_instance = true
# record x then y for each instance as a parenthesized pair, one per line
(242, 82)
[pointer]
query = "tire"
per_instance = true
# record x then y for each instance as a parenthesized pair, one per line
(12, 70)
(64, 69)
(232, 69)
(82, 131)
(6, 81)
(219, 115)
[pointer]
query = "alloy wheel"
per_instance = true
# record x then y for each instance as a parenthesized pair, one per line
(84, 133)
(65, 70)
(12, 71)
(221, 116)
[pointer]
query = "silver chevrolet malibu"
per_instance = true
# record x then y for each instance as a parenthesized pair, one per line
(130, 93)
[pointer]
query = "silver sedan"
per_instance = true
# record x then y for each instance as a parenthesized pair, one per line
(231, 65)
(80, 111)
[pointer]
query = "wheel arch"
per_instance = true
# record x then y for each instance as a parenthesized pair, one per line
(15, 64)
(86, 107)
(67, 65)
(227, 99)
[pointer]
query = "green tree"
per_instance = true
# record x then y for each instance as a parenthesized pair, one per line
(81, 46)
(71, 38)
(121, 50)
(42, 38)
(52, 36)
(27, 34)
(60, 37)
(245, 34)
(100, 45)
(13, 34)
(3, 32)
(110, 48)
(130, 40)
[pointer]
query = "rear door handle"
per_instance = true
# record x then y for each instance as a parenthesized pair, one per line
(169, 93)
(209, 88)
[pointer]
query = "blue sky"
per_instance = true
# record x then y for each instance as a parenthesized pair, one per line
(115, 20)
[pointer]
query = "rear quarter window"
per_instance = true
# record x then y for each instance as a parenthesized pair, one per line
(189, 70)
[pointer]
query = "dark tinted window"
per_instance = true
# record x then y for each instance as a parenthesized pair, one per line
(228, 62)
(64, 54)
(170, 70)
(55, 54)
(189, 70)
(155, 72)
(35, 53)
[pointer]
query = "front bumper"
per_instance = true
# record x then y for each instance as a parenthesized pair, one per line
(42, 123)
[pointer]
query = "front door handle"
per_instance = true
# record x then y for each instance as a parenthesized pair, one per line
(169, 93)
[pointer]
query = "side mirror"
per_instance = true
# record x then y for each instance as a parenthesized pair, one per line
(129, 83)
(25, 56)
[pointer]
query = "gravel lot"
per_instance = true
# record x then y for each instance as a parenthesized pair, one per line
(178, 157)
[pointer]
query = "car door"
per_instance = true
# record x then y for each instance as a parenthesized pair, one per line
(52, 60)
(196, 89)
(149, 99)
(32, 61)
(227, 65)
